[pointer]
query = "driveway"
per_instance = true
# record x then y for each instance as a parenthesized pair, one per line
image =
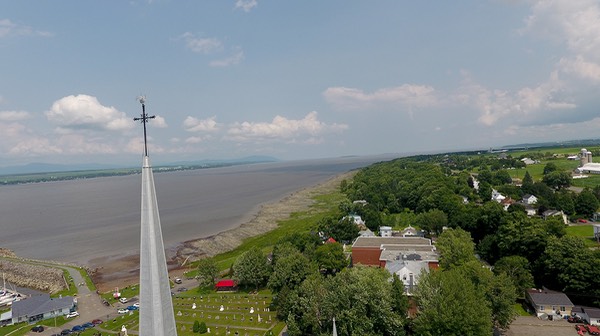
(532, 326)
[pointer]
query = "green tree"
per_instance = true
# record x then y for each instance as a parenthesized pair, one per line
(569, 266)
(196, 327)
(455, 247)
(550, 167)
(518, 271)
(527, 179)
(330, 257)
(208, 272)
(564, 201)
(251, 268)
(502, 177)
(342, 230)
(290, 270)
(202, 329)
(361, 300)
(557, 180)
(450, 304)
(399, 300)
(432, 221)
(586, 203)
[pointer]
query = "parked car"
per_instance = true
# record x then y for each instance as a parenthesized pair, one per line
(88, 325)
(77, 328)
(123, 300)
(580, 327)
(65, 332)
(38, 328)
(574, 319)
(132, 308)
(593, 330)
(137, 304)
(178, 280)
(72, 314)
(97, 321)
(122, 311)
(104, 302)
(581, 220)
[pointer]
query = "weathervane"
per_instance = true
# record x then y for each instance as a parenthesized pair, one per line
(144, 119)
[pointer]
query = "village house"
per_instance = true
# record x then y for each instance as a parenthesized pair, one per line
(549, 304)
(589, 314)
(496, 196)
(385, 231)
(529, 199)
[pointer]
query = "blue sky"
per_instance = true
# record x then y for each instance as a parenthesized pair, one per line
(293, 80)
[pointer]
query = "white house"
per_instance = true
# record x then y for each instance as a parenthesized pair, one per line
(356, 219)
(496, 196)
(592, 315)
(527, 161)
(385, 231)
(408, 271)
(529, 199)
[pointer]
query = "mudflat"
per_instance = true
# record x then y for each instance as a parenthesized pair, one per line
(111, 272)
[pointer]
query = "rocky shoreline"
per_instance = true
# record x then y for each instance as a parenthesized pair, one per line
(25, 273)
(109, 273)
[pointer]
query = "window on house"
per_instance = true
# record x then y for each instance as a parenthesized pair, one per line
(562, 308)
(553, 308)
(541, 307)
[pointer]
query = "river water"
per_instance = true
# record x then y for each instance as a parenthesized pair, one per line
(79, 220)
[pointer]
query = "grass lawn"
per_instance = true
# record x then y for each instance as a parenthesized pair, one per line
(520, 310)
(585, 232)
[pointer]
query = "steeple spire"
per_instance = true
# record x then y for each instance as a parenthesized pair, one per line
(156, 306)
(144, 119)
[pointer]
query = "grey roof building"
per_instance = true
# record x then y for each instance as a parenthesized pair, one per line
(549, 302)
(40, 307)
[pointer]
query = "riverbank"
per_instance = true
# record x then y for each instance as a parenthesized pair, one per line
(111, 272)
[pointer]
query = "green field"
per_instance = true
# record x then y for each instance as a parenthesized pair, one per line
(586, 232)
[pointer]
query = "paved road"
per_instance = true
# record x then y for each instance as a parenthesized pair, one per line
(89, 304)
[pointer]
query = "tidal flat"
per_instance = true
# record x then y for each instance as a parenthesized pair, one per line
(81, 221)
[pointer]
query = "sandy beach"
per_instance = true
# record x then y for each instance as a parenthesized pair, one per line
(111, 272)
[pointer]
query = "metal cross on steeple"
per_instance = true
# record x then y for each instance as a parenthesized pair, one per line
(144, 119)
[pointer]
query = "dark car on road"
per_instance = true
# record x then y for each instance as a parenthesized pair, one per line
(38, 328)
(65, 332)
(77, 328)
(88, 325)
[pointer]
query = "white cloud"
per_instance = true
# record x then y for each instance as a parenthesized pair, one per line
(246, 5)
(194, 140)
(201, 45)
(575, 24)
(236, 58)
(13, 115)
(159, 122)
(9, 28)
(192, 124)
(494, 105)
(407, 95)
(85, 112)
(281, 128)
(581, 68)
(34, 146)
